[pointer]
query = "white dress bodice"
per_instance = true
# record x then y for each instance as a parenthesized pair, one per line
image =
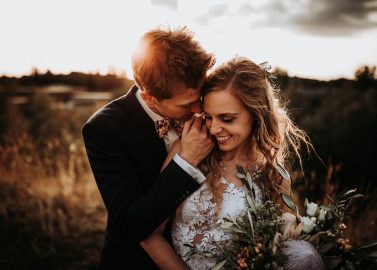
(197, 223)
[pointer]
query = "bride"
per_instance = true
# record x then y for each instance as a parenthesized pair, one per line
(251, 130)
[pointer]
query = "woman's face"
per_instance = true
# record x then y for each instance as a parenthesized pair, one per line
(228, 120)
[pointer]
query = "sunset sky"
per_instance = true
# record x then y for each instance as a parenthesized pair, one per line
(321, 39)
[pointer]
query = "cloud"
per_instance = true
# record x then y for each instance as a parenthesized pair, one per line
(321, 17)
(172, 4)
(318, 17)
(215, 11)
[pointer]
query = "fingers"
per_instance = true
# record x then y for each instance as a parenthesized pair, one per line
(197, 123)
(187, 126)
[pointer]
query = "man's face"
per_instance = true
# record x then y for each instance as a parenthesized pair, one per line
(181, 106)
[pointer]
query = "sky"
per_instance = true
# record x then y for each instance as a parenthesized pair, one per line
(321, 39)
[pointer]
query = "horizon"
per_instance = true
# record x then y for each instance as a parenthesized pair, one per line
(309, 39)
(124, 75)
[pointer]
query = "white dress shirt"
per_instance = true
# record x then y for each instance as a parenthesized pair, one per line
(170, 137)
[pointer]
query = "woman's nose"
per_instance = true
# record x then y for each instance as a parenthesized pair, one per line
(215, 128)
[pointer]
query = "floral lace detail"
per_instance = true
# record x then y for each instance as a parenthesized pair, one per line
(198, 225)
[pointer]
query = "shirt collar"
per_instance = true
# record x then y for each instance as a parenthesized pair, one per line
(154, 116)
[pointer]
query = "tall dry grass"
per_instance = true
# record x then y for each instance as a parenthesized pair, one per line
(51, 214)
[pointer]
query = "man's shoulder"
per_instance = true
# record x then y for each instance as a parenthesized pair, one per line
(116, 110)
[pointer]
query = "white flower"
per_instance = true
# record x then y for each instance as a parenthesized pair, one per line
(311, 208)
(288, 219)
(309, 223)
(322, 214)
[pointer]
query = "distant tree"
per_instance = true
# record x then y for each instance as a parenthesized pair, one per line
(34, 72)
(282, 77)
(366, 77)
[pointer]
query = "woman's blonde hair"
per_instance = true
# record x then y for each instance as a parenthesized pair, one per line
(273, 133)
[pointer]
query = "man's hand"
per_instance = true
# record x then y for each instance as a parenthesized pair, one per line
(196, 141)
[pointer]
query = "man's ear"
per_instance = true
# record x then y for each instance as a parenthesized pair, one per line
(148, 98)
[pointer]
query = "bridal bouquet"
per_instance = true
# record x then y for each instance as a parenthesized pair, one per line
(265, 238)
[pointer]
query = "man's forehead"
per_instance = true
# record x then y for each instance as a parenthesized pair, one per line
(187, 95)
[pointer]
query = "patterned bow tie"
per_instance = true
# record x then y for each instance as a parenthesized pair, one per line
(162, 126)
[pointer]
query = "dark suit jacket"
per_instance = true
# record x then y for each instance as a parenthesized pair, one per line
(126, 156)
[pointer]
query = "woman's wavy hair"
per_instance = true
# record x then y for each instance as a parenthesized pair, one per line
(273, 133)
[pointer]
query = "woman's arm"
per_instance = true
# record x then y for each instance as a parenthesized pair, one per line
(161, 252)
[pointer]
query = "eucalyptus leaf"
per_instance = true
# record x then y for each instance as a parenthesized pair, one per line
(345, 193)
(288, 200)
(365, 250)
(373, 254)
(251, 203)
(227, 219)
(240, 170)
(240, 175)
(251, 223)
(219, 265)
(306, 202)
(227, 225)
(282, 172)
(249, 180)
(236, 230)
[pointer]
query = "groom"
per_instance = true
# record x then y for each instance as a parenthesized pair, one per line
(126, 151)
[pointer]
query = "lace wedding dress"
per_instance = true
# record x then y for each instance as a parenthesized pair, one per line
(198, 225)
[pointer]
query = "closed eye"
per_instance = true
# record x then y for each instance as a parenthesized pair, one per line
(226, 119)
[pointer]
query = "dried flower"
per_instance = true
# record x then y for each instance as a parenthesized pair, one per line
(302, 255)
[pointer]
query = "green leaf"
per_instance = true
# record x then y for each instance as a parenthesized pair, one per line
(368, 250)
(251, 223)
(240, 170)
(344, 194)
(249, 180)
(236, 230)
(283, 172)
(251, 203)
(227, 219)
(288, 200)
(219, 265)
(240, 175)
(227, 225)
(306, 202)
